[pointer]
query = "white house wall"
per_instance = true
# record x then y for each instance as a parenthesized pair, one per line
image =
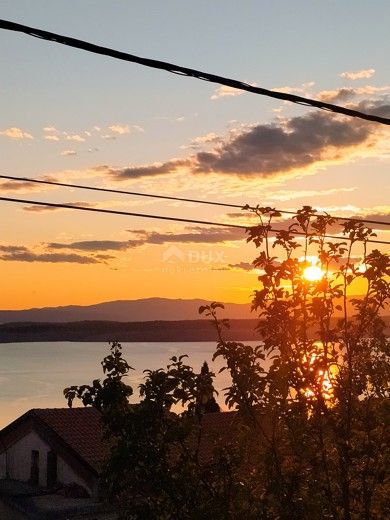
(18, 460)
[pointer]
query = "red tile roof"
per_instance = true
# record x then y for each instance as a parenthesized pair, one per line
(81, 431)
(217, 430)
(80, 428)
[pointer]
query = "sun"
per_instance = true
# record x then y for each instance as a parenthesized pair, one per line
(313, 272)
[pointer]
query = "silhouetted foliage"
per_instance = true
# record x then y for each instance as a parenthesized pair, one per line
(309, 439)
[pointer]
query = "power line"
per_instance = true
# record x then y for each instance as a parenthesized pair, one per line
(169, 197)
(160, 217)
(186, 71)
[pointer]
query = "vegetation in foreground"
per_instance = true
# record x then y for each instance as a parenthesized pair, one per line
(309, 439)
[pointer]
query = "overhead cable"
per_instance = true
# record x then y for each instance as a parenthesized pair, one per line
(162, 217)
(186, 71)
(170, 197)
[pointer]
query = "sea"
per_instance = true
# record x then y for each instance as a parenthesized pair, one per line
(34, 375)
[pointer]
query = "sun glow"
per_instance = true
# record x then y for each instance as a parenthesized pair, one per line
(313, 272)
(324, 377)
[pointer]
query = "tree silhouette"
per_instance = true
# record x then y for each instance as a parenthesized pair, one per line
(309, 438)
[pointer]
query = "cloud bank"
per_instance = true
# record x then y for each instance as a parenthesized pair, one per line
(10, 253)
(279, 148)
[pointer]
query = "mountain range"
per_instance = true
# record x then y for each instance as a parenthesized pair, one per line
(148, 309)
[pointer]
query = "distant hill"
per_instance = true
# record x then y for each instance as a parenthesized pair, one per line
(189, 330)
(149, 309)
(186, 330)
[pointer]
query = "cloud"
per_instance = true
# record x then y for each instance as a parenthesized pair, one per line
(337, 95)
(19, 186)
(243, 266)
(75, 137)
(68, 152)
(16, 133)
(135, 172)
(120, 129)
(12, 249)
(191, 235)
(51, 137)
(43, 209)
(50, 129)
(225, 91)
(105, 257)
(302, 89)
(282, 147)
(22, 254)
(300, 142)
(377, 108)
(286, 195)
(210, 138)
(244, 214)
(347, 93)
(96, 245)
(380, 217)
(358, 74)
(98, 248)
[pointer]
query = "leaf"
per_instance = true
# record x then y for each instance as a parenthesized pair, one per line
(217, 305)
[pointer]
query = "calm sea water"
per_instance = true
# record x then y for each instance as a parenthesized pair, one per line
(33, 375)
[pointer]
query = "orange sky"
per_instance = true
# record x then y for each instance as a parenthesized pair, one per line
(83, 119)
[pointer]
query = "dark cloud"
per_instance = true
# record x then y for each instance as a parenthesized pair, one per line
(266, 150)
(18, 254)
(270, 149)
(10, 185)
(244, 266)
(242, 214)
(192, 235)
(13, 249)
(241, 266)
(96, 245)
(147, 171)
(105, 257)
(380, 217)
(382, 111)
(338, 95)
(17, 186)
(40, 209)
(375, 108)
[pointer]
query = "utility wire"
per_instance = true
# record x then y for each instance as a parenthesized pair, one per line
(160, 217)
(169, 197)
(185, 71)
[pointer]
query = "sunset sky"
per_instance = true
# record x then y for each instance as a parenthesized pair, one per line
(81, 118)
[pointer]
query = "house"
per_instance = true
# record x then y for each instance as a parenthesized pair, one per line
(48, 452)
(51, 460)
(50, 447)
